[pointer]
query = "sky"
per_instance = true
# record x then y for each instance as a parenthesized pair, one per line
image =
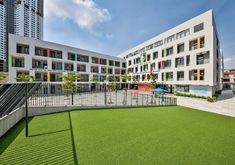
(113, 26)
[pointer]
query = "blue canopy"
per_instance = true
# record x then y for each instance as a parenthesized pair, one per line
(160, 90)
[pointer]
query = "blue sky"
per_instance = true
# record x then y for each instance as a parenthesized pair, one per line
(111, 27)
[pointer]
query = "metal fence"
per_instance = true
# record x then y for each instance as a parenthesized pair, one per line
(99, 98)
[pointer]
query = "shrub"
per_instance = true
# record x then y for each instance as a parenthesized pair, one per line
(191, 95)
(211, 99)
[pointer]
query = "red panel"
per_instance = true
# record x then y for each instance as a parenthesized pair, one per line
(145, 87)
(48, 52)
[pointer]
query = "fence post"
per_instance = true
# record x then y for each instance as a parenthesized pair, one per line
(72, 98)
(26, 110)
(105, 94)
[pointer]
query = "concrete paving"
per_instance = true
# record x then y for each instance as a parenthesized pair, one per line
(225, 104)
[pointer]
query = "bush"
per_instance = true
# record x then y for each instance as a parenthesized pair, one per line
(211, 99)
(190, 95)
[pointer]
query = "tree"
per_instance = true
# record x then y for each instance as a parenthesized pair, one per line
(95, 81)
(3, 76)
(153, 83)
(24, 78)
(69, 82)
(126, 77)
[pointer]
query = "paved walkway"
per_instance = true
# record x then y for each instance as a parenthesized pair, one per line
(225, 104)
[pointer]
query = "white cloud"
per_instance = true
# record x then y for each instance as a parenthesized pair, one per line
(85, 13)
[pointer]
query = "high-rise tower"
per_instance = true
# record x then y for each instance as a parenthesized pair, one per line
(20, 17)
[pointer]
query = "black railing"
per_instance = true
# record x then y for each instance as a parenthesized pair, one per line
(46, 96)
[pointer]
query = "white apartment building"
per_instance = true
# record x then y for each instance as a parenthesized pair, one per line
(29, 18)
(184, 59)
(46, 61)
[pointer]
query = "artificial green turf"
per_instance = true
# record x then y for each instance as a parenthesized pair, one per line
(166, 135)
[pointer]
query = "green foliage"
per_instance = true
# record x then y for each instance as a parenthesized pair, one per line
(210, 99)
(126, 77)
(154, 79)
(3, 75)
(190, 95)
(24, 78)
(69, 82)
(111, 86)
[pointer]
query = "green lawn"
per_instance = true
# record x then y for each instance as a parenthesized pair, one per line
(140, 136)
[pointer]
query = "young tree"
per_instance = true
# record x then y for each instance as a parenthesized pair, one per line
(24, 78)
(95, 81)
(69, 82)
(111, 87)
(126, 77)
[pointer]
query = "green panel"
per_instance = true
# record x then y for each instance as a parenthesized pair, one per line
(10, 60)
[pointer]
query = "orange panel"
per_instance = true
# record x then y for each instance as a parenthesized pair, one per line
(198, 74)
(198, 42)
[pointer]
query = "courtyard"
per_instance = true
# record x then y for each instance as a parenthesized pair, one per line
(156, 135)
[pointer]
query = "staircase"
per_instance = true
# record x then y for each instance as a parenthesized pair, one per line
(13, 96)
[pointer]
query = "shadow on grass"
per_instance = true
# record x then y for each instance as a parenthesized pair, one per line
(47, 133)
(11, 135)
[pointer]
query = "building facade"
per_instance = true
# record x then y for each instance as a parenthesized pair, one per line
(185, 59)
(3, 42)
(46, 61)
(229, 79)
(21, 17)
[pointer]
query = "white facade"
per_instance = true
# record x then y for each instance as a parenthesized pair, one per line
(45, 61)
(2, 31)
(28, 22)
(185, 58)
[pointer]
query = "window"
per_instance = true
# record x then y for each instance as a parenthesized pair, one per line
(197, 74)
(182, 33)
(39, 64)
(117, 71)
(158, 43)
(169, 76)
(179, 62)
(137, 60)
(203, 58)
(149, 47)
(117, 63)
(17, 62)
(103, 61)
(169, 51)
(95, 60)
(197, 43)
(24, 49)
(167, 63)
(129, 62)
(82, 58)
(110, 71)
(198, 27)
(180, 76)
(180, 48)
(56, 65)
(155, 55)
(182, 88)
(124, 65)
(55, 54)
(40, 51)
(169, 39)
(84, 78)
(145, 67)
(187, 60)
(81, 68)
(111, 63)
(94, 69)
(71, 56)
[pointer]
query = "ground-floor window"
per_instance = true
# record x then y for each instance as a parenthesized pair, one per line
(182, 88)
